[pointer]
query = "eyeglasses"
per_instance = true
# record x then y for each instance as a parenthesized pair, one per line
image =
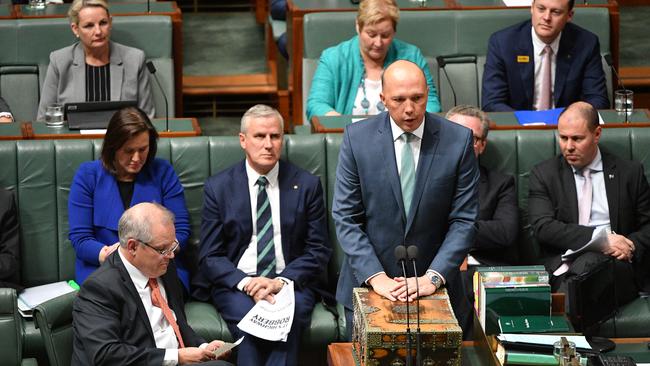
(163, 252)
(477, 139)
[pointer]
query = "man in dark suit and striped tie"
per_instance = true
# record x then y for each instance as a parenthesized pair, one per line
(263, 226)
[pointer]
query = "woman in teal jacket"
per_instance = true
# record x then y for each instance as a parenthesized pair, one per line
(348, 77)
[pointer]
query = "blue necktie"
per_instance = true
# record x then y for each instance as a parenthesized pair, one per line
(265, 246)
(407, 172)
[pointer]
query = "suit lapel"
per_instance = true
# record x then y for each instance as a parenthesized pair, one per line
(289, 191)
(526, 69)
(611, 189)
(117, 73)
(78, 73)
(428, 148)
(128, 285)
(242, 206)
(563, 64)
(569, 184)
(390, 172)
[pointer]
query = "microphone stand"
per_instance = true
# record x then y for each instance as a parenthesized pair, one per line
(411, 254)
(400, 253)
(610, 63)
(152, 70)
(442, 63)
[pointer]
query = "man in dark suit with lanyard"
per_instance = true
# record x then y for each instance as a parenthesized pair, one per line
(263, 225)
(130, 310)
(405, 177)
(583, 191)
(543, 63)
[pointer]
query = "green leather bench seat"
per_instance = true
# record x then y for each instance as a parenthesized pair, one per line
(26, 50)
(40, 172)
(448, 32)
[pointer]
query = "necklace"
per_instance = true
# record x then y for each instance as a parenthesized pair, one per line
(365, 103)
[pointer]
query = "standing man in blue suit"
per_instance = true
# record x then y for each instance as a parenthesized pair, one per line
(405, 177)
(543, 63)
(263, 225)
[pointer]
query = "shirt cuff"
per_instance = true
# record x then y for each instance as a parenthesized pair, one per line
(430, 272)
(243, 282)
(373, 276)
(7, 114)
(171, 357)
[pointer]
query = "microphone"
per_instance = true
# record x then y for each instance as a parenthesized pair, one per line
(610, 63)
(442, 63)
(400, 254)
(412, 253)
(152, 70)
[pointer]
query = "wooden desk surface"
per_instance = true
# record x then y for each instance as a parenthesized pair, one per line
(503, 121)
(169, 8)
(180, 127)
(298, 8)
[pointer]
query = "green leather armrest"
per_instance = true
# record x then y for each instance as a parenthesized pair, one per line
(11, 345)
(54, 319)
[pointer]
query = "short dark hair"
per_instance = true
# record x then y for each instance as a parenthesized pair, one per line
(586, 111)
(124, 125)
(571, 4)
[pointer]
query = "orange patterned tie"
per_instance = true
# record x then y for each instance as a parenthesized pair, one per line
(158, 301)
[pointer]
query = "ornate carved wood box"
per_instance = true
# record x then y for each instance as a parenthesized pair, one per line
(379, 332)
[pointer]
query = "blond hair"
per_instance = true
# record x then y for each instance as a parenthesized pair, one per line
(375, 11)
(77, 5)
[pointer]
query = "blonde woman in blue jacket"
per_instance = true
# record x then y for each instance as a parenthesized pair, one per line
(348, 77)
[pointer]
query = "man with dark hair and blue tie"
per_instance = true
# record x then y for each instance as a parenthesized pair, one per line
(263, 226)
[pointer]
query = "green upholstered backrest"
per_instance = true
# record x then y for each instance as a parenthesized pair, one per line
(29, 42)
(40, 172)
(441, 33)
(54, 319)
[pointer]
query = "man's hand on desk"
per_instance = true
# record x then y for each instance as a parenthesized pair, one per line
(4, 119)
(384, 286)
(620, 247)
(332, 113)
(426, 287)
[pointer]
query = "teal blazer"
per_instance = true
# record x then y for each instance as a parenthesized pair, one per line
(339, 73)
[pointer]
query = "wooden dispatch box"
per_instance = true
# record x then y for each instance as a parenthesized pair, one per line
(379, 331)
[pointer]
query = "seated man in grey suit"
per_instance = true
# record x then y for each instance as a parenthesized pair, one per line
(5, 112)
(585, 190)
(130, 310)
(498, 220)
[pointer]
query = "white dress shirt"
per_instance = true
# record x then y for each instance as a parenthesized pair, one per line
(163, 332)
(538, 52)
(248, 262)
(599, 218)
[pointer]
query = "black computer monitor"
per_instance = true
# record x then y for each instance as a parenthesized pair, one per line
(93, 115)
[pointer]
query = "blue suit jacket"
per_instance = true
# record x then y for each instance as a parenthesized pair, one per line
(95, 207)
(227, 227)
(508, 84)
(368, 207)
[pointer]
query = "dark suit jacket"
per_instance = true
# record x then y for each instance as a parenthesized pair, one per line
(9, 241)
(509, 84)
(368, 206)
(4, 107)
(110, 324)
(498, 219)
(553, 205)
(227, 227)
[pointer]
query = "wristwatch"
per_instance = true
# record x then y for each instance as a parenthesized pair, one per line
(435, 279)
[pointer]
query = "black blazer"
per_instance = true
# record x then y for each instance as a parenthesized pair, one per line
(110, 324)
(498, 220)
(4, 107)
(9, 242)
(553, 205)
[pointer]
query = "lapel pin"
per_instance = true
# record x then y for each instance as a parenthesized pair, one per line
(611, 176)
(523, 59)
(295, 187)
